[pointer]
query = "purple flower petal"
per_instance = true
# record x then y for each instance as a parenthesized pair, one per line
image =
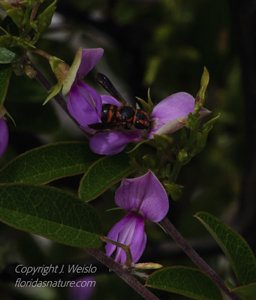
(112, 142)
(130, 230)
(114, 232)
(84, 104)
(139, 240)
(145, 195)
(172, 108)
(4, 136)
(84, 61)
(90, 57)
(125, 237)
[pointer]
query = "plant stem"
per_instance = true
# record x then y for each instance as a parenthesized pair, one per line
(176, 169)
(118, 269)
(192, 254)
(178, 162)
(192, 138)
(34, 11)
(42, 53)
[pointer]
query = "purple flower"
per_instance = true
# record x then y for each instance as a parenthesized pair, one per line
(145, 199)
(167, 116)
(4, 136)
(84, 103)
(170, 114)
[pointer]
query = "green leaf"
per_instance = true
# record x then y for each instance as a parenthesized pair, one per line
(145, 105)
(7, 56)
(202, 137)
(200, 97)
(150, 161)
(19, 42)
(5, 41)
(45, 18)
(163, 141)
(6, 6)
(103, 173)
(234, 246)
(175, 190)
(55, 89)
(15, 13)
(67, 83)
(246, 292)
(50, 162)
(5, 74)
(51, 213)
(192, 122)
(151, 104)
(189, 282)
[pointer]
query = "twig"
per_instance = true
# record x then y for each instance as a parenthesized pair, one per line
(118, 269)
(34, 11)
(173, 232)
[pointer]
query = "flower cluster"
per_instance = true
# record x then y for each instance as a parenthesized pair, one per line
(85, 105)
(144, 198)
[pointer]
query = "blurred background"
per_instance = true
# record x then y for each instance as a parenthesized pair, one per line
(162, 45)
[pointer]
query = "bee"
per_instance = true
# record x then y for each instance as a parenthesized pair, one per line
(115, 116)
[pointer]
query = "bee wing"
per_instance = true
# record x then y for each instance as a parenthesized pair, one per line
(108, 86)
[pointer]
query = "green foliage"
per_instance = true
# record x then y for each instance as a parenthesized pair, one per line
(16, 13)
(49, 162)
(50, 212)
(7, 56)
(175, 191)
(234, 246)
(201, 95)
(45, 18)
(246, 292)
(104, 173)
(163, 141)
(202, 136)
(189, 282)
(29, 28)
